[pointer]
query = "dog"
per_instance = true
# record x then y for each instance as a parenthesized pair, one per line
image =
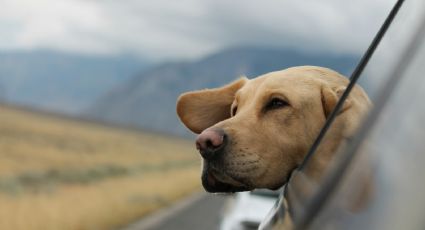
(254, 133)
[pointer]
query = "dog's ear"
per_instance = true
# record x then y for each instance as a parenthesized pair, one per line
(330, 97)
(201, 109)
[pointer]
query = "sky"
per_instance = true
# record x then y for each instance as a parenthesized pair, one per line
(188, 29)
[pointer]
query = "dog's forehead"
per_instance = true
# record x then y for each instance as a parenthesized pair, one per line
(268, 82)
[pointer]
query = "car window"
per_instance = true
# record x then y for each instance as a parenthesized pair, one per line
(391, 160)
(352, 206)
(370, 185)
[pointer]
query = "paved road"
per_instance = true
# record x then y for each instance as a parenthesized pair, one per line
(201, 211)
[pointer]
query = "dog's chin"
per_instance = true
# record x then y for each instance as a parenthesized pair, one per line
(214, 185)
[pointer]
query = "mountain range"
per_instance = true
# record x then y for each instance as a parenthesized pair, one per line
(148, 99)
(62, 82)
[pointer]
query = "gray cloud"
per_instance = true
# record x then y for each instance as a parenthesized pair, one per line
(164, 29)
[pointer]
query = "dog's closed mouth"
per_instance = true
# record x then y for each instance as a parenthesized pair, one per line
(214, 181)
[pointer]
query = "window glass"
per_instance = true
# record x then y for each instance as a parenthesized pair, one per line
(383, 188)
(381, 65)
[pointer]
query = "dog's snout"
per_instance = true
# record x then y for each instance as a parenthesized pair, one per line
(210, 142)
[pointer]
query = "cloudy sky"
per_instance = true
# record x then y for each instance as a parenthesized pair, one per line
(163, 29)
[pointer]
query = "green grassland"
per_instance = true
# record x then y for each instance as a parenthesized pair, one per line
(58, 173)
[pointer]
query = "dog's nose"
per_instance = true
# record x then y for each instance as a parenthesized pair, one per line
(210, 142)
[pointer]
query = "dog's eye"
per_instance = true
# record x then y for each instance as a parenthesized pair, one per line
(234, 110)
(276, 103)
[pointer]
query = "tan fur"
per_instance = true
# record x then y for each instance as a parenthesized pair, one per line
(265, 146)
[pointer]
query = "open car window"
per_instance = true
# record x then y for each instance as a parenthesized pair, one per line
(390, 161)
(387, 162)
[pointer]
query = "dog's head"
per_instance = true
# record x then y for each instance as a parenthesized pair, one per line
(253, 133)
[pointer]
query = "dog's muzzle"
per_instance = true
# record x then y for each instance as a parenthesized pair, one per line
(211, 144)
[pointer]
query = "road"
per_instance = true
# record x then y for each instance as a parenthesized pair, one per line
(201, 211)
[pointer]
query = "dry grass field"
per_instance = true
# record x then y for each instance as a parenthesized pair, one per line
(58, 173)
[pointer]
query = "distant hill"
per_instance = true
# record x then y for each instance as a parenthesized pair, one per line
(148, 100)
(2, 93)
(61, 82)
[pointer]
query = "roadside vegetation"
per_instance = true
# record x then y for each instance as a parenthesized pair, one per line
(58, 173)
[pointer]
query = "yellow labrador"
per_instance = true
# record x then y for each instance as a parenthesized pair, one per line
(254, 133)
